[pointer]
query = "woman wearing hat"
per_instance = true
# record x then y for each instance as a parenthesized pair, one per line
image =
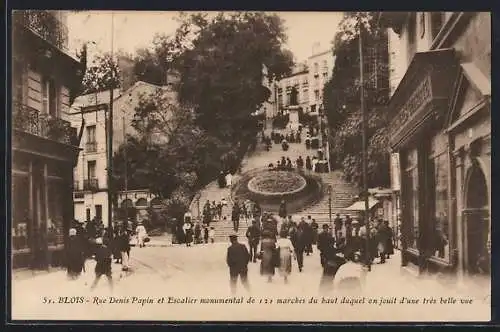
(285, 249)
(268, 254)
(75, 255)
(141, 232)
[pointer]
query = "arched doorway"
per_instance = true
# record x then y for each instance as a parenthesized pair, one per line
(127, 211)
(476, 215)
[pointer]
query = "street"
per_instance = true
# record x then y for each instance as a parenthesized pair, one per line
(186, 276)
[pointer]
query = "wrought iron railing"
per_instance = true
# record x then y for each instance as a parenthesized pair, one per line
(91, 184)
(46, 24)
(91, 146)
(32, 121)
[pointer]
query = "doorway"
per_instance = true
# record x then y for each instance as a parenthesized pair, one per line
(476, 217)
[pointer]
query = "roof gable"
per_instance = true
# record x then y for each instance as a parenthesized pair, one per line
(473, 88)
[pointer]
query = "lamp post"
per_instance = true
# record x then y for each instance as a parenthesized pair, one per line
(330, 203)
(363, 121)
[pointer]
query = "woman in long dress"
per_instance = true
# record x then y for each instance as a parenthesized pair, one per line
(75, 255)
(268, 249)
(188, 233)
(141, 232)
(286, 249)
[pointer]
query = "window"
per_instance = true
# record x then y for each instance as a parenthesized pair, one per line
(316, 95)
(91, 166)
(437, 20)
(98, 212)
(316, 68)
(87, 214)
(440, 236)
(411, 185)
(91, 144)
(49, 97)
(325, 75)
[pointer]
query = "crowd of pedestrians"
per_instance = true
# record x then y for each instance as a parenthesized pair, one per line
(344, 248)
(92, 240)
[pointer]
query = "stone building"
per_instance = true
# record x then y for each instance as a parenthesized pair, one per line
(90, 175)
(441, 132)
(45, 80)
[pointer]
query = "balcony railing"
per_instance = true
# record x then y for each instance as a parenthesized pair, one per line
(91, 184)
(45, 24)
(30, 120)
(91, 146)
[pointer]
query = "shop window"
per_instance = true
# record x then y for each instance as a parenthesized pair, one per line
(441, 228)
(55, 227)
(21, 223)
(411, 179)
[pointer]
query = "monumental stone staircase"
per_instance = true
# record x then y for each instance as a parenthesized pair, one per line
(223, 228)
(343, 195)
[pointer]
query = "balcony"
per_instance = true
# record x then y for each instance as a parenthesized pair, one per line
(32, 121)
(91, 184)
(45, 24)
(91, 147)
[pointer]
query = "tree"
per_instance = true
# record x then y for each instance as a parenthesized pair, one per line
(342, 100)
(103, 74)
(221, 73)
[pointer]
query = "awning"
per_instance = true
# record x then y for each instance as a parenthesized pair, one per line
(360, 205)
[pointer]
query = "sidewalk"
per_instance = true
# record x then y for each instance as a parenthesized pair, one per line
(391, 276)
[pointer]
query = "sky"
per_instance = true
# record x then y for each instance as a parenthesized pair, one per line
(134, 30)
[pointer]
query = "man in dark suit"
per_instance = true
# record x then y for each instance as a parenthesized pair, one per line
(253, 236)
(325, 244)
(237, 260)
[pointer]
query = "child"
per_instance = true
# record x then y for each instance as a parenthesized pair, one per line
(211, 235)
(103, 265)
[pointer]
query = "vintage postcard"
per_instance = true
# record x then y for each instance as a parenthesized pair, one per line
(251, 166)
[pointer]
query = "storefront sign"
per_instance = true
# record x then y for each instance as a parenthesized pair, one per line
(418, 98)
(395, 172)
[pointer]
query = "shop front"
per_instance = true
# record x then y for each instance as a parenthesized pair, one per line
(42, 204)
(434, 168)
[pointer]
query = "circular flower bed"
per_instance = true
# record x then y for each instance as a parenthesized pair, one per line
(277, 183)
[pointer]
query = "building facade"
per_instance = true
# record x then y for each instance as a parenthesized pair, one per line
(320, 71)
(45, 77)
(298, 79)
(441, 132)
(90, 174)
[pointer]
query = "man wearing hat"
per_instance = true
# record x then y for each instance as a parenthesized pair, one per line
(237, 260)
(253, 236)
(325, 244)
